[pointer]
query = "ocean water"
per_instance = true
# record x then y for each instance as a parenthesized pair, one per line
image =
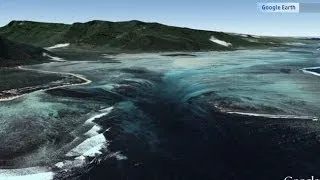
(218, 115)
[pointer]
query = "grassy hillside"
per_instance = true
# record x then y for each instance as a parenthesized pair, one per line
(126, 36)
(17, 54)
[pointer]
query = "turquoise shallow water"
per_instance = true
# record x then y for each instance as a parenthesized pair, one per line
(266, 78)
(40, 128)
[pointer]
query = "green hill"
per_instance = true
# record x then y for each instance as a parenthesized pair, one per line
(12, 53)
(35, 33)
(127, 36)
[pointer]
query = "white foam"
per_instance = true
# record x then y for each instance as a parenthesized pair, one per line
(93, 131)
(272, 116)
(243, 35)
(53, 58)
(90, 147)
(9, 98)
(68, 164)
(32, 173)
(58, 46)
(94, 150)
(105, 112)
(252, 40)
(124, 56)
(305, 70)
(309, 72)
(295, 44)
(120, 156)
(59, 164)
(312, 68)
(109, 109)
(39, 176)
(117, 155)
(80, 158)
(220, 42)
(87, 81)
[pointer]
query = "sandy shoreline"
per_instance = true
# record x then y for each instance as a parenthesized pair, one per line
(86, 81)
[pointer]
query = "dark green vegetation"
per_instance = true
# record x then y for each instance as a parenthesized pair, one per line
(16, 82)
(129, 36)
(12, 53)
(15, 78)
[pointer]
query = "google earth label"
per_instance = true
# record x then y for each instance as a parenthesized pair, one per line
(279, 7)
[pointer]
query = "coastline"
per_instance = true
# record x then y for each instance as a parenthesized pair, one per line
(77, 76)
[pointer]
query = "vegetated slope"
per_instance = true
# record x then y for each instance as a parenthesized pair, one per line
(12, 53)
(35, 33)
(127, 36)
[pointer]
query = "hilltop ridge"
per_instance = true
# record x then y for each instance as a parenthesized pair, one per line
(132, 35)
